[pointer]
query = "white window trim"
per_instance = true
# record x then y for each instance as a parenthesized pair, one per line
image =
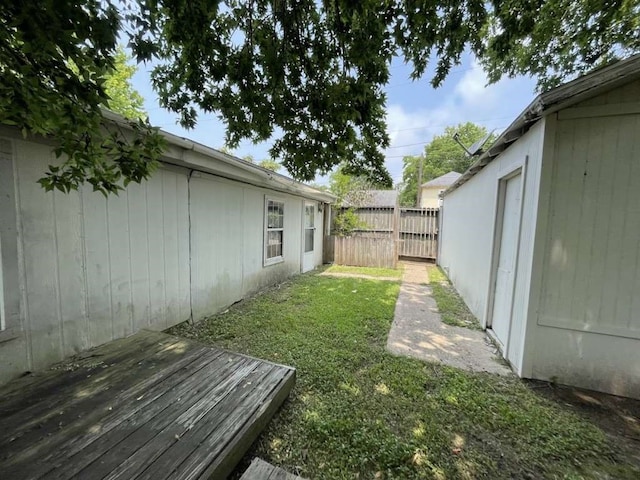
(274, 260)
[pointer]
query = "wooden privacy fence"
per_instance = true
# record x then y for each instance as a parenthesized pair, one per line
(388, 233)
(362, 251)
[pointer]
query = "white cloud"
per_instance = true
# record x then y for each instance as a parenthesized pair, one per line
(408, 130)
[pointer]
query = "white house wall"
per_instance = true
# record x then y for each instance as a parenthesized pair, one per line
(587, 331)
(79, 269)
(468, 232)
(227, 226)
(92, 269)
(429, 197)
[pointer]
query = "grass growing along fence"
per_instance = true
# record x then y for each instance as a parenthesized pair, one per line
(453, 310)
(359, 412)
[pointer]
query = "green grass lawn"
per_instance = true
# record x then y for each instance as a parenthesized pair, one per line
(452, 308)
(358, 412)
(370, 271)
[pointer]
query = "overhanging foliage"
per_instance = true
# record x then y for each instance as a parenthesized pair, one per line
(308, 75)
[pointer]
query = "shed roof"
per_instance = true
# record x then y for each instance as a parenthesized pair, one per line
(443, 180)
(186, 153)
(575, 91)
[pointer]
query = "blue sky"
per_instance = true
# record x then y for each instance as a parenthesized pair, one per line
(415, 111)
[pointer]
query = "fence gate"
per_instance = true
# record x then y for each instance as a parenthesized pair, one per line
(418, 232)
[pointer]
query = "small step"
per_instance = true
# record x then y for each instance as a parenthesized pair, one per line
(261, 470)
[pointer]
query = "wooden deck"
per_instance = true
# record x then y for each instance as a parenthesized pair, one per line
(151, 406)
(261, 470)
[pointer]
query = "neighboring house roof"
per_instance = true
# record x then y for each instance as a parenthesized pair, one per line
(209, 160)
(442, 181)
(375, 198)
(566, 95)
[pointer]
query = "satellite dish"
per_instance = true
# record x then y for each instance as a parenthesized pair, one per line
(476, 148)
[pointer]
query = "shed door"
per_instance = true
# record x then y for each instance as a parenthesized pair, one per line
(308, 237)
(505, 273)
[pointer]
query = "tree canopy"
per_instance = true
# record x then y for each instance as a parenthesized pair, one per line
(308, 75)
(123, 98)
(269, 164)
(441, 155)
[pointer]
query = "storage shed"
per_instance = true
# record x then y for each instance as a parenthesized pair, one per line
(79, 270)
(541, 236)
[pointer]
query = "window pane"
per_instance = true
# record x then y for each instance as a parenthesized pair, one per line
(308, 240)
(274, 244)
(279, 209)
(309, 216)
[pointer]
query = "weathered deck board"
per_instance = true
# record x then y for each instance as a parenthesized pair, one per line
(149, 406)
(261, 470)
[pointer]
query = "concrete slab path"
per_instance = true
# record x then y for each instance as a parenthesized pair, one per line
(418, 332)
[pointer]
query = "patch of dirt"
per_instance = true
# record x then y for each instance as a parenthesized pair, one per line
(618, 417)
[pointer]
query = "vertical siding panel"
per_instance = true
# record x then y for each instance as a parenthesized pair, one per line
(628, 301)
(15, 355)
(120, 261)
(614, 268)
(572, 181)
(170, 208)
(183, 248)
(558, 258)
(217, 247)
(39, 255)
(137, 206)
(97, 267)
(155, 247)
(602, 218)
(585, 165)
(70, 270)
(57, 252)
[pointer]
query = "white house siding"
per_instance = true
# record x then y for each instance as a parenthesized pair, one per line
(429, 197)
(468, 232)
(79, 269)
(588, 313)
(92, 269)
(227, 225)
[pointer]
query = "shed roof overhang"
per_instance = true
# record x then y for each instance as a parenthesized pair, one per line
(566, 95)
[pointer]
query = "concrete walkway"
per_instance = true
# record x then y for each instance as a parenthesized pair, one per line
(418, 332)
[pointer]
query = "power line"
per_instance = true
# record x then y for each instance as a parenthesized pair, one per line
(421, 143)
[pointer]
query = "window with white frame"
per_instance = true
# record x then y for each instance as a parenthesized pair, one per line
(274, 231)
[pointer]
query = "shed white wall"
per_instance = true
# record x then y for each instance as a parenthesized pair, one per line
(468, 232)
(587, 275)
(79, 269)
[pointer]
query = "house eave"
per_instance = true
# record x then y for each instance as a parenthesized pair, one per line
(186, 153)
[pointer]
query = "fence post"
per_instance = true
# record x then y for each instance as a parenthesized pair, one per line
(396, 231)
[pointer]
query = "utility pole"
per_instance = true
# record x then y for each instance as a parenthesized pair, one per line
(419, 194)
